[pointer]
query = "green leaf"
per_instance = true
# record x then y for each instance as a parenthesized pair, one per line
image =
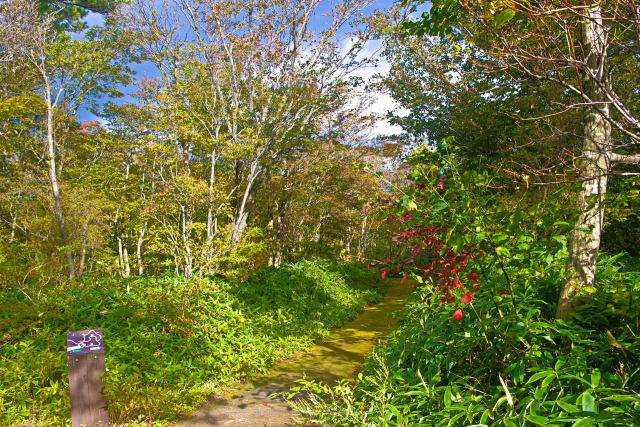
(504, 17)
(439, 206)
(572, 409)
(447, 397)
(454, 419)
(583, 422)
(500, 237)
(614, 410)
(595, 378)
(485, 417)
(538, 419)
(499, 402)
(622, 398)
(535, 377)
(545, 382)
(588, 403)
(395, 412)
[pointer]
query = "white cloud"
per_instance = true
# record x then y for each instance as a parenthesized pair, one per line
(381, 103)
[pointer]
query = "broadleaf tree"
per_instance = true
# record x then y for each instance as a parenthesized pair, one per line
(587, 50)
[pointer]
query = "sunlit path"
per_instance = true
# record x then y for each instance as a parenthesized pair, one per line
(340, 356)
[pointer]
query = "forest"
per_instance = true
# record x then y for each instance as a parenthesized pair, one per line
(218, 184)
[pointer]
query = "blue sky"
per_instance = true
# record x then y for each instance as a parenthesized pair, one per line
(382, 104)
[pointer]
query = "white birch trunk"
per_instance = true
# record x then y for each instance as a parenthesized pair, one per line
(584, 240)
(143, 231)
(53, 180)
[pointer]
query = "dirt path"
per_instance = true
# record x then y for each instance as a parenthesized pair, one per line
(339, 356)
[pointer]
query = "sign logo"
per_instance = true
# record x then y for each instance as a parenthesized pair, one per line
(81, 342)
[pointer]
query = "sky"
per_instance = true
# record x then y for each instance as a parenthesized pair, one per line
(382, 104)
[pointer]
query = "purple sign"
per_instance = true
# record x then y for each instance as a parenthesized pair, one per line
(80, 342)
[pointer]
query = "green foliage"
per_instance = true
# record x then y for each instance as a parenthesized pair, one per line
(170, 342)
(622, 216)
(70, 14)
(506, 360)
(440, 20)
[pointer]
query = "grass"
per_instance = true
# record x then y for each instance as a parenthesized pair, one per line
(170, 343)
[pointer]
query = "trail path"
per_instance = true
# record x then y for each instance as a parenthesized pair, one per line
(340, 356)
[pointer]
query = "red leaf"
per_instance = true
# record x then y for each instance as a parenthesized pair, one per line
(457, 314)
(466, 298)
(472, 276)
(404, 278)
(384, 273)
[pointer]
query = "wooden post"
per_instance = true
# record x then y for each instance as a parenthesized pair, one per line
(85, 355)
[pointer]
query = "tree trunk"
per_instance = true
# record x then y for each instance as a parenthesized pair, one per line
(212, 178)
(584, 240)
(363, 235)
(123, 256)
(55, 188)
(242, 216)
(125, 252)
(14, 224)
(83, 252)
(120, 256)
(212, 223)
(186, 240)
(278, 224)
(348, 249)
(139, 248)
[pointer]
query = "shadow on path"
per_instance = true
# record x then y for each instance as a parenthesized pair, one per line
(339, 356)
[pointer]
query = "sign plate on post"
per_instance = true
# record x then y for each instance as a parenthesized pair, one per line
(85, 354)
(81, 342)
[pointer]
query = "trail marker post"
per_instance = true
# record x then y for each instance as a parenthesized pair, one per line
(85, 356)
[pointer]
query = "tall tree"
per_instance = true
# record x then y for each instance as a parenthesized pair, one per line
(573, 46)
(270, 79)
(67, 74)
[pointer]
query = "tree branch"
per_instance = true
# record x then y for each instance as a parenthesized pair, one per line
(630, 159)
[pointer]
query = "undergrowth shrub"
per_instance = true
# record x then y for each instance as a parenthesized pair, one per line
(169, 342)
(511, 368)
(479, 344)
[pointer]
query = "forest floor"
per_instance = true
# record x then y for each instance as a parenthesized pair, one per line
(340, 356)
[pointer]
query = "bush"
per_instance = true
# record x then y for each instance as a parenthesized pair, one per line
(479, 344)
(170, 342)
(499, 365)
